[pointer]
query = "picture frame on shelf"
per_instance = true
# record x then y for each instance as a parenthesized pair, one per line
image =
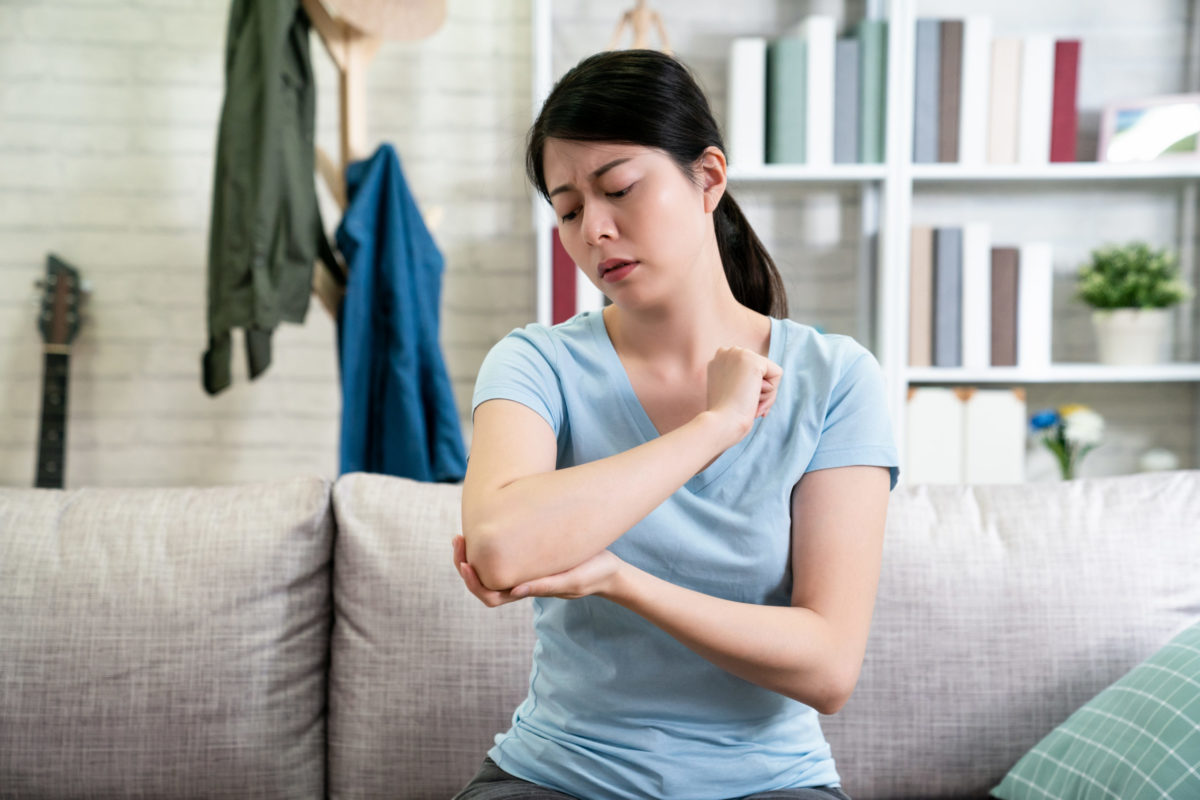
(1151, 128)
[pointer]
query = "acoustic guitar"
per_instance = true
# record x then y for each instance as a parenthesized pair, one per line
(59, 324)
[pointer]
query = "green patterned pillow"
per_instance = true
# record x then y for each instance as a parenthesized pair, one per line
(1137, 739)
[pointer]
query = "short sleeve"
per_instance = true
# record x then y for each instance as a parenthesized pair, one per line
(858, 428)
(520, 367)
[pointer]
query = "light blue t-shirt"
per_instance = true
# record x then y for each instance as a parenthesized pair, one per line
(616, 707)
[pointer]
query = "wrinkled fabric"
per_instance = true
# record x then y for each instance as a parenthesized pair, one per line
(398, 411)
(265, 226)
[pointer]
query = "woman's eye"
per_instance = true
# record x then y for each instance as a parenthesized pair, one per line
(622, 192)
(569, 216)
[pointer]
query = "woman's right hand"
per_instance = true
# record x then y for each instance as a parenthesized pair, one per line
(741, 386)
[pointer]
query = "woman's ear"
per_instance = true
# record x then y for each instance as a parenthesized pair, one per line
(711, 169)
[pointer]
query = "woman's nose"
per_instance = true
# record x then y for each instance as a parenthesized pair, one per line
(597, 225)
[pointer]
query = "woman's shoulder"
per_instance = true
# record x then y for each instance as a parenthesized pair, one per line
(554, 343)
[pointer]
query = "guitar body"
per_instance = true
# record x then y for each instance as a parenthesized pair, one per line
(59, 324)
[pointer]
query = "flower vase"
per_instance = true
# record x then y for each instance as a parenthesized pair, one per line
(1127, 336)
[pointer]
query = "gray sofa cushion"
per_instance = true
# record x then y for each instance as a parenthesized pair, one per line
(164, 642)
(423, 675)
(1003, 609)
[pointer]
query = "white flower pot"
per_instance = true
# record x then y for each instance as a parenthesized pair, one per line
(1133, 335)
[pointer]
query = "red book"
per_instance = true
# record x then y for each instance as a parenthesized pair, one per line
(562, 292)
(1064, 125)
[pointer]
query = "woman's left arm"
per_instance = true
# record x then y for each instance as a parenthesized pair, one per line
(811, 651)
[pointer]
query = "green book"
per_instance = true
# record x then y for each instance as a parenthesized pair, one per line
(872, 71)
(787, 83)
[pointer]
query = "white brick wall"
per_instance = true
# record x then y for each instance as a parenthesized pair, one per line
(108, 117)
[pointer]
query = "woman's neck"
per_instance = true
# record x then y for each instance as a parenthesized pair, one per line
(685, 334)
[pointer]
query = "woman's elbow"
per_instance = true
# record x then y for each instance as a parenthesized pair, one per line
(487, 558)
(835, 693)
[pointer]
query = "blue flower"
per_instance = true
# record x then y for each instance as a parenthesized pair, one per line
(1044, 419)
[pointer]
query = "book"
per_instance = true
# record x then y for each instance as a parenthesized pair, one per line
(1037, 99)
(820, 33)
(976, 88)
(994, 436)
(934, 452)
(947, 297)
(563, 276)
(1064, 126)
(846, 101)
(787, 86)
(920, 298)
(745, 121)
(926, 92)
(949, 88)
(873, 49)
(976, 295)
(1004, 108)
(1035, 316)
(1005, 291)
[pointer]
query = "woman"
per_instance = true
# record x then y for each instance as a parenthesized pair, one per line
(692, 488)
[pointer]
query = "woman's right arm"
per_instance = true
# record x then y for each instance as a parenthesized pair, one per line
(524, 519)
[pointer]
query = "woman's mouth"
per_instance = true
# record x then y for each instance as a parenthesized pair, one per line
(616, 268)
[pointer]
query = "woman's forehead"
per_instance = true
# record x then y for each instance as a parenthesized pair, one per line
(565, 160)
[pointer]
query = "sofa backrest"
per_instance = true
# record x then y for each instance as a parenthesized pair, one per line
(1001, 610)
(165, 642)
(423, 675)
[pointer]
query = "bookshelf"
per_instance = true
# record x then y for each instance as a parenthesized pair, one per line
(893, 196)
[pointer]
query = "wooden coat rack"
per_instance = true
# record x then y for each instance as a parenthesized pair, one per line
(352, 31)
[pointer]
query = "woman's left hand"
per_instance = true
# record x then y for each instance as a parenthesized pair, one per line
(594, 576)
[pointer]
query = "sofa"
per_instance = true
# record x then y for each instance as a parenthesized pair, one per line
(309, 638)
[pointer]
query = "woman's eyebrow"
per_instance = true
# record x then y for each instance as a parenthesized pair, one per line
(614, 163)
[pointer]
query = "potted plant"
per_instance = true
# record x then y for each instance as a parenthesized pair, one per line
(1131, 289)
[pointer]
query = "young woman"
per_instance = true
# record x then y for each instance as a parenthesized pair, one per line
(692, 487)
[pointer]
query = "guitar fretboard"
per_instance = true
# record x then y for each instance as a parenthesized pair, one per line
(52, 435)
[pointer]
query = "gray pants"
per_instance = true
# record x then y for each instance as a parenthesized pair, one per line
(493, 783)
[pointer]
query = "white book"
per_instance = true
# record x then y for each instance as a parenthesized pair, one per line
(1035, 306)
(746, 106)
(973, 104)
(1004, 105)
(977, 295)
(820, 35)
(994, 436)
(1037, 100)
(934, 452)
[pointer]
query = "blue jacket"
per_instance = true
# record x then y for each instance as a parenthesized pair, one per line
(398, 411)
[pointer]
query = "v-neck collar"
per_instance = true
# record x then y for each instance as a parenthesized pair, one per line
(637, 412)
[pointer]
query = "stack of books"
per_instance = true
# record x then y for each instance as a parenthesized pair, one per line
(998, 100)
(976, 305)
(808, 96)
(965, 435)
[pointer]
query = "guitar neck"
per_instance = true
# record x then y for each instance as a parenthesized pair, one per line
(53, 431)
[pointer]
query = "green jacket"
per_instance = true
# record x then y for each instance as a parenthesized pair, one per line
(265, 225)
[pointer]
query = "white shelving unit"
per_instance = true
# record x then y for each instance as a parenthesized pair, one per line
(888, 193)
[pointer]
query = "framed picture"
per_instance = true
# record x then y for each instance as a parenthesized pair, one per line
(1151, 128)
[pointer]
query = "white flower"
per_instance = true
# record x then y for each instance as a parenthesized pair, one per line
(1082, 426)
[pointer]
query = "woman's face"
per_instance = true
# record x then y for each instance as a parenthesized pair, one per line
(628, 216)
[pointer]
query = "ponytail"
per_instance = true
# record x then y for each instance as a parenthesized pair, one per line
(749, 268)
